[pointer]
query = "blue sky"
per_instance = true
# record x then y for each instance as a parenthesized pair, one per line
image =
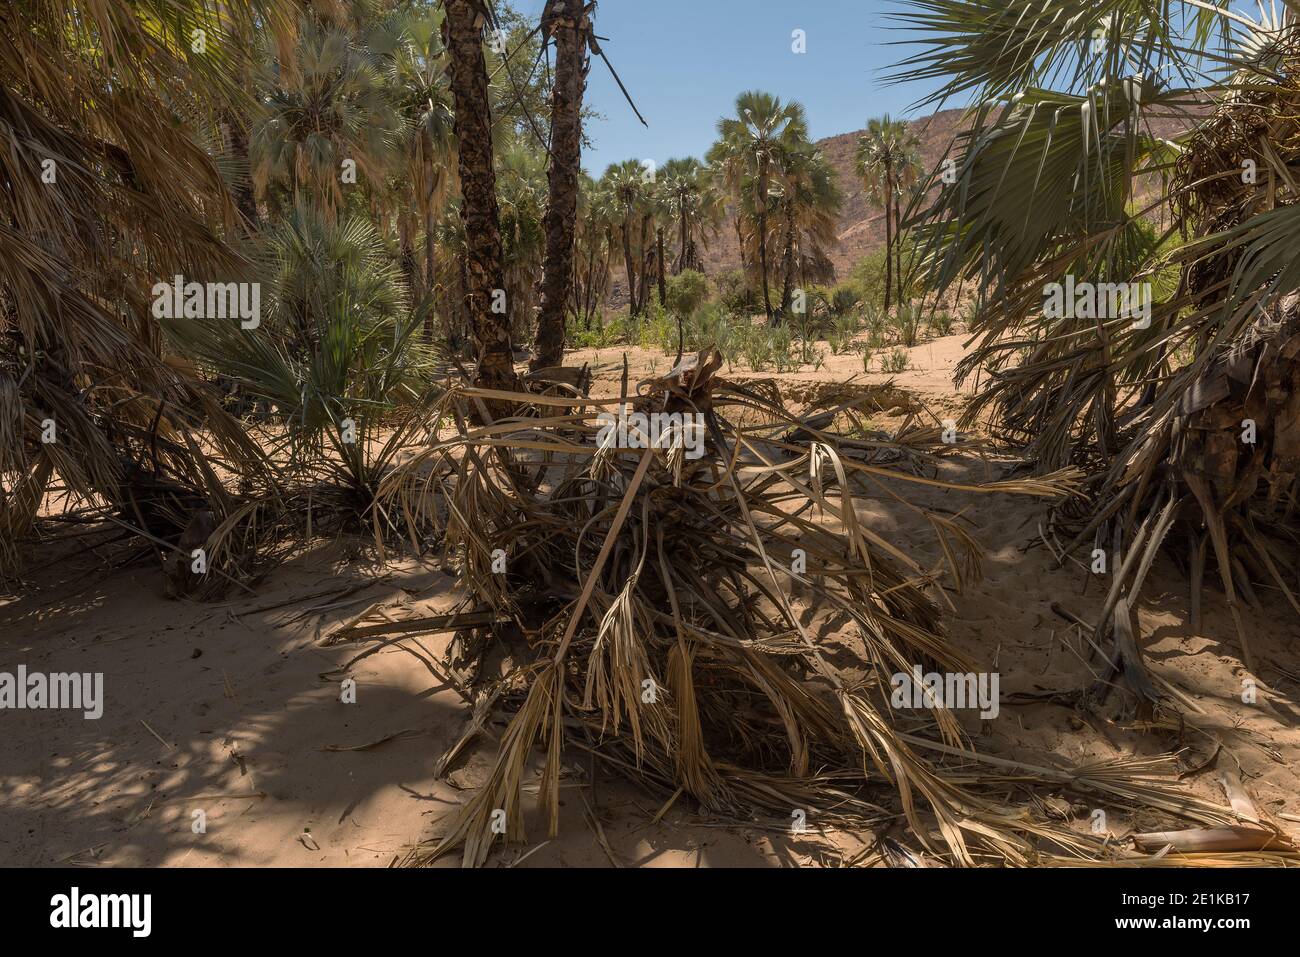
(684, 62)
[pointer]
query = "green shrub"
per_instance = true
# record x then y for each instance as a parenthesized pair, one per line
(781, 340)
(599, 336)
(687, 292)
(842, 333)
(755, 345)
(658, 330)
(941, 322)
(868, 277)
(844, 299)
(895, 361)
(709, 327)
(907, 322)
(736, 295)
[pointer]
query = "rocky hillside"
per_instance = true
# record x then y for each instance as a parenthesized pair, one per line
(861, 225)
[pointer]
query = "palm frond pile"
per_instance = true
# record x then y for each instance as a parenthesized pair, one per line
(669, 614)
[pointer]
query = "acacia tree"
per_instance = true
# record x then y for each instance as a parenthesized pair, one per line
(463, 38)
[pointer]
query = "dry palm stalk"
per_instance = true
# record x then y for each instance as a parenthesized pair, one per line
(1212, 839)
(655, 594)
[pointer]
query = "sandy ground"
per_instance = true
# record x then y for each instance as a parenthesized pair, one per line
(228, 714)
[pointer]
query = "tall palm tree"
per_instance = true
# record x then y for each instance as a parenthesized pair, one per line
(888, 161)
(408, 45)
(463, 39)
(629, 185)
(521, 193)
(693, 200)
(807, 212)
(595, 247)
(568, 24)
(751, 152)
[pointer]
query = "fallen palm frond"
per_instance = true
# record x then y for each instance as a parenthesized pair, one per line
(676, 616)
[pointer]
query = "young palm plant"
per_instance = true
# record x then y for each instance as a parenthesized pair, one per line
(336, 359)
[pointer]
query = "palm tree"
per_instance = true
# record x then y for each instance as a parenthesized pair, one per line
(693, 200)
(628, 183)
(1184, 412)
(521, 193)
(463, 39)
(597, 221)
(409, 48)
(807, 212)
(325, 119)
(888, 160)
(102, 98)
(752, 149)
(568, 23)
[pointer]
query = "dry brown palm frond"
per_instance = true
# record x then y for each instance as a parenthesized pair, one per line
(111, 187)
(675, 611)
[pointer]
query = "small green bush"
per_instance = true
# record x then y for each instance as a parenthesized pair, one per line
(736, 295)
(907, 322)
(895, 361)
(687, 292)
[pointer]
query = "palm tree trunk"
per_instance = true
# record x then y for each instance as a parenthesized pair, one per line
(787, 285)
(631, 269)
(463, 37)
(762, 261)
(740, 242)
(566, 158)
(659, 242)
(430, 221)
(244, 199)
(682, 261)
(889, 252)
(898, 247)
(643, 291)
